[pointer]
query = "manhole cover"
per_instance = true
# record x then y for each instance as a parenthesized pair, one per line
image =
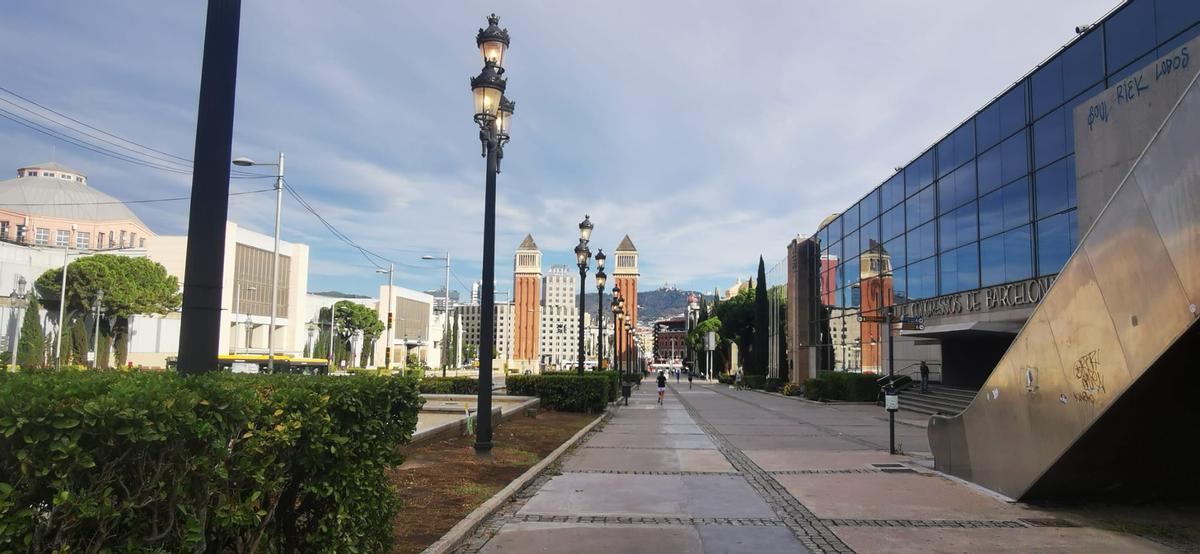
(1047, 522)
(887, 465)
(896, 470)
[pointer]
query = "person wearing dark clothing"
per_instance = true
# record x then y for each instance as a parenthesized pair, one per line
(689, 378)
(662, 386)
(924, 377)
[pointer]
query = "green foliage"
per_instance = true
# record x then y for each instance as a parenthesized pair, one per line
(848, 387)
(78, 339)
(564, 391)
(754, 381)
(772, 384)
(32, 348)
(790, 389)
(757, 357)
(448, 385)
(736, 316)
(113, 461)
(725, 378)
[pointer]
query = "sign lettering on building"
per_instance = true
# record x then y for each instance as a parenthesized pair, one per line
(1010, 295)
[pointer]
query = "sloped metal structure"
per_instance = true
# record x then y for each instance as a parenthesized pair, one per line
(1094, 396)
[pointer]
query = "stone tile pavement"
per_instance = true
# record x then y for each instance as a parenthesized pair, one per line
(715, 470)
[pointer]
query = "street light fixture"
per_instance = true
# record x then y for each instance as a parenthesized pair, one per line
(446, 258)
(247, 162)
(601, 278)
(17, 298)
(391, 301)
(582, 255)
(487, 90)
(96, 336)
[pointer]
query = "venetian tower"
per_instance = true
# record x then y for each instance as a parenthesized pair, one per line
(625, 274)
(527, 292)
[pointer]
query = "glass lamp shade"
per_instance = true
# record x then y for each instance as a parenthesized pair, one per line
(582, 254)
(504, 121)
(585, 228)
(600, 257)
(492, 42)
(601, 278)
(493, 51)
(487, 101)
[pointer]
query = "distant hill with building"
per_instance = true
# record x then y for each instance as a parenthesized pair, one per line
(655, 304)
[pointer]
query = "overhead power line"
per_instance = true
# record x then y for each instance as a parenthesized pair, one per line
(105, 203)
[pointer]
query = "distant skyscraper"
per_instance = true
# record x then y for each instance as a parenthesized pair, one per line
(560, 318)
(475, 287)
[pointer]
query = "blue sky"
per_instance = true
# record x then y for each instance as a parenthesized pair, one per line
(710, 132)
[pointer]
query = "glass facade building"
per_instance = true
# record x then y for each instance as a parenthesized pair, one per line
(993, 201)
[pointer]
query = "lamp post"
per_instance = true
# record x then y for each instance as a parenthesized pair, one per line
(96, 336)
(17, 298)
(582, 255)
(62, 301)
(387, 333)
(615, 306)
(601, 278)
(493, 114)
(246, 162)
(445, 301)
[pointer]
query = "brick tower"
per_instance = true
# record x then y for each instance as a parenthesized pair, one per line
(527, 301)
(625, 273)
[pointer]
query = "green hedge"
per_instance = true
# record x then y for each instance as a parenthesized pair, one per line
(564, 391)
(115, 461)
(448, 385)
(849, 387)
(772, 384)
(754, 381)
(725, 378)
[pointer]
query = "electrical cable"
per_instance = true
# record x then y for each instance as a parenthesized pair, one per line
(147, 201)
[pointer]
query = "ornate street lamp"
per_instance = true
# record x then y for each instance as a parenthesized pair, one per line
(493, 114)
(582, 255)
(601, 278)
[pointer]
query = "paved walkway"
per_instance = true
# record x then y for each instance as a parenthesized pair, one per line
(715, 470)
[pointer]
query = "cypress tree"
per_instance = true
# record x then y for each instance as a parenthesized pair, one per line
(31, 349)
(79, 340)
(762, 317)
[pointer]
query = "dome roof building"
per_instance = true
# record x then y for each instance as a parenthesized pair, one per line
(52, 205)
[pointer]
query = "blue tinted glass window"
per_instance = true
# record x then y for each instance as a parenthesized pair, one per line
(958, 227)
(854, 296)
(956, 148)
(900, 285)
(850, 220)
(850, 245)
(1170, 46)
(922, 279)
(1082, 64)
(1056, 239)
(1173, 16)
(919, 173)
(835, 230)
(895, 249)
(1055, 187)
(851, 268)
(959, 269)
(922, 241)
(892, 222)
(823, 234)
(1005, 258)
(1004, 117)
(1004, 209)
(957, 188)
(921, 208)
(868, 233)
(1002, 164)
(869, 207)
(1047, 87)
(892, 192)
(1132, 68)
(1129, 33)
(1051, 138)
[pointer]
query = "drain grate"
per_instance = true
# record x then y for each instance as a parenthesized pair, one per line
(1047, 522)
(897, 470)
(887, 465)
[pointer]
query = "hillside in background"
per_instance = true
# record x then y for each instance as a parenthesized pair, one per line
(655, 304)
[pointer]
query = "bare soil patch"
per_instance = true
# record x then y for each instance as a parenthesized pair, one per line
(443, 481)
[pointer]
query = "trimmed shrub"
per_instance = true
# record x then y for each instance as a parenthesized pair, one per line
(772, 384)
(849, 387)
(791, 390)
(564, 391)
(754, 381)
(725, 378)
(116, 461)
(448, 385)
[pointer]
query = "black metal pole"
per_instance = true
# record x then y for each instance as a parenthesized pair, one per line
(205, 259)
(892, 379)
(582, 295)
(600, 327)
(487, 313)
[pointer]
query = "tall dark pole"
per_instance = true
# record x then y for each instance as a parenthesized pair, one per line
(582, 296)
(600, 328)
(487, 314)
(204, 267)
(891, 379)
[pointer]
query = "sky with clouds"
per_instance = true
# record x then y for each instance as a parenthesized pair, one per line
(710, 132)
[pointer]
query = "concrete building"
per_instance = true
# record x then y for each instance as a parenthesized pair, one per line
(468, 317)
(560, 320)
(669, 335)
(625, 275)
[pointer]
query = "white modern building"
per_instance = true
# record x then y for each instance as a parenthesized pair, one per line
(560, 319)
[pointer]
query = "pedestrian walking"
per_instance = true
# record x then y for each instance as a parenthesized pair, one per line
(662, 387)
(689, 378)
(737, 380)
(677, 372)
(924, 377)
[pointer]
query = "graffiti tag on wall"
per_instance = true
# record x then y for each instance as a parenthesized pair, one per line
(1087, 371)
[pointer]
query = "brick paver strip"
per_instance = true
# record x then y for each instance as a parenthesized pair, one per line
(638, 472)
(638, 520)
(810, 530)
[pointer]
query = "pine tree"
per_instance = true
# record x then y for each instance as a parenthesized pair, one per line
(454, 343)
(31, 349)
(79, 340)
(762, 317)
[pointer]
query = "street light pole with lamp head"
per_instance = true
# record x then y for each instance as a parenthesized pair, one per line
(96, 336)
(17, 298)
(62, 300)
(582, 256)
(246, 162)
(445, 300)
(391, 301)
(493, 114)
(601, 278)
